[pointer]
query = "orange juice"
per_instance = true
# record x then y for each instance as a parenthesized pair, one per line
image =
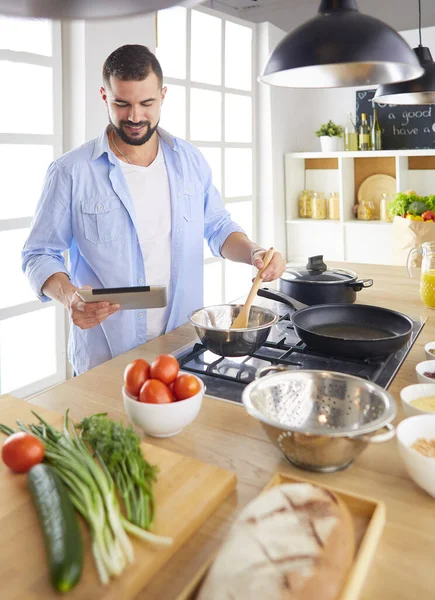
(427, 288)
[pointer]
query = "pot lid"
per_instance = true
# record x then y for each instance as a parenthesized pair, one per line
(316, 271)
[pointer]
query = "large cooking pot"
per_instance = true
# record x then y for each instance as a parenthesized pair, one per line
(213, 326)
(317, 284)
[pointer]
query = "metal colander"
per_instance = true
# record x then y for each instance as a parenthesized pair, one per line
(320, 419)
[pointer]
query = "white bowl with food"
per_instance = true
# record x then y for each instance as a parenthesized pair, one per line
(163, 420)
(429, 350)
(418, 399)
(426, 371)
(416, 442)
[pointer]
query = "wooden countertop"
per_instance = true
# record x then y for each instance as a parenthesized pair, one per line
(225, 435)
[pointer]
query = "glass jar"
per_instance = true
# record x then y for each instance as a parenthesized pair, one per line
(385, 214)
(318, 206)
(333, 206)
(366, 210)
(427, 273)
(305, 204)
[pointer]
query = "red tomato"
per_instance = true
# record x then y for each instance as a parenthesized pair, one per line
(165, 368)
(186, 386)
(21, 451)
(154, 391)
(135, 375)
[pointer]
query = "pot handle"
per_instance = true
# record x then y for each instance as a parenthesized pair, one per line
(411, 255)
(280, 297)
(264, 370)
(381, 437)
(360, 284)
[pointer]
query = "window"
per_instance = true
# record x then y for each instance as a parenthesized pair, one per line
(207, 66)
(32, 334)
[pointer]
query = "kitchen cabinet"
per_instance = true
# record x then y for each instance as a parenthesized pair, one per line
(343, 172)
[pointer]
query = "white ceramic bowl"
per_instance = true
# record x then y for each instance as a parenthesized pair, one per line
(420, 468)
(412, 392)
(163, 420)
(427, 347)
(424, 367)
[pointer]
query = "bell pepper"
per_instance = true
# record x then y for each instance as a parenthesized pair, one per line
(428, 215)
(414, 218)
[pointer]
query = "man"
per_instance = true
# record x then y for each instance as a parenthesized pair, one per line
(132, 207)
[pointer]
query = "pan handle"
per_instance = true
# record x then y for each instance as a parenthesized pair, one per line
(381, 437)
(280, 297)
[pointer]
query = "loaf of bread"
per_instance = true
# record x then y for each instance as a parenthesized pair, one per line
(293, 542)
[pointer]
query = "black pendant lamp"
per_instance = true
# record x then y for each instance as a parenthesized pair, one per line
(85, 9)
(417, 91)
(341, 47)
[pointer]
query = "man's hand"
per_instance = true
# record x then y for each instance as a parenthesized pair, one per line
(83, 314)
(274, 269)
(88, 314)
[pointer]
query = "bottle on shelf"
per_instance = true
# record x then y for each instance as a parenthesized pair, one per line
(385, 213)
(350, 135)
(376, 132)
(370, 131)
(305, 199)
(318, 206)
(333, 206)
(366, 210)
(364, 134)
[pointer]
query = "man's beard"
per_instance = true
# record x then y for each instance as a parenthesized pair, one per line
(134, 141)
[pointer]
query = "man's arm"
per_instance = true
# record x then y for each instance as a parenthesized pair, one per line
(239, 248)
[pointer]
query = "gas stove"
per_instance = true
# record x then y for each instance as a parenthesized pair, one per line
(225, 378)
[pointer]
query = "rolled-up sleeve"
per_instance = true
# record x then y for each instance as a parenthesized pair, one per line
(50, 232)
(218, 224)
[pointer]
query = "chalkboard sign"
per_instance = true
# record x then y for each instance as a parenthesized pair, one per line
(403, 127)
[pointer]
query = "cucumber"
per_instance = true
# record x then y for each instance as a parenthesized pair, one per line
(60, 526)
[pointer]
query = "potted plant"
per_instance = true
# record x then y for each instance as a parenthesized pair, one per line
(330, 134)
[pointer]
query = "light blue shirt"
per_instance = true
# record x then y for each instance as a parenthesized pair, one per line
(86, 208)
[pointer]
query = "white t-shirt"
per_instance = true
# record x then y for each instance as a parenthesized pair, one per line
(149, 189)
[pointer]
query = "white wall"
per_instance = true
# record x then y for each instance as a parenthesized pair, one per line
(86, 45)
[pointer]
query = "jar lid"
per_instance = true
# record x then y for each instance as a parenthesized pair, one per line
(316, 271)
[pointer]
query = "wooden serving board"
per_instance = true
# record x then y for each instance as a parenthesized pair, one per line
(187, 492)
(368, 518)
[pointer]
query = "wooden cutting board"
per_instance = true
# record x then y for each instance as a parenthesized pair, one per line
(187, 492)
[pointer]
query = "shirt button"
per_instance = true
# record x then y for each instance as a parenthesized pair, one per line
(100, 207)
(140, 315)
(140, 280)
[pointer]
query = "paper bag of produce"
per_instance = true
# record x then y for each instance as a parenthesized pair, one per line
(413, 224)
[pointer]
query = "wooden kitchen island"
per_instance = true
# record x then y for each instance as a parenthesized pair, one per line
(223, 434)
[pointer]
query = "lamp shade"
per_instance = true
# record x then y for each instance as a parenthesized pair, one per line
(417, 91)
(85, 9)
(341, 47)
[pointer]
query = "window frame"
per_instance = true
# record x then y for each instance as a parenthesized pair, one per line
(188, 84)
(56, 141)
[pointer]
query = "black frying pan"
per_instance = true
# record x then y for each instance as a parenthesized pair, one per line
(355, 330)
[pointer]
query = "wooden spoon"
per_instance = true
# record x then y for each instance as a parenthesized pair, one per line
(242, 319)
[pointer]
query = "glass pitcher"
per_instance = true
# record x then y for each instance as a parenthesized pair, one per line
(427, 277)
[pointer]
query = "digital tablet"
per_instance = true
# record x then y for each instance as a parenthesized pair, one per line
(129, 298)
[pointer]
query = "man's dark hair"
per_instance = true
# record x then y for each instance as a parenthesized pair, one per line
(131, 62)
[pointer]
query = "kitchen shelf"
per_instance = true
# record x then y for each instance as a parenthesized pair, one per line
(343, 172)
(365, 154)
